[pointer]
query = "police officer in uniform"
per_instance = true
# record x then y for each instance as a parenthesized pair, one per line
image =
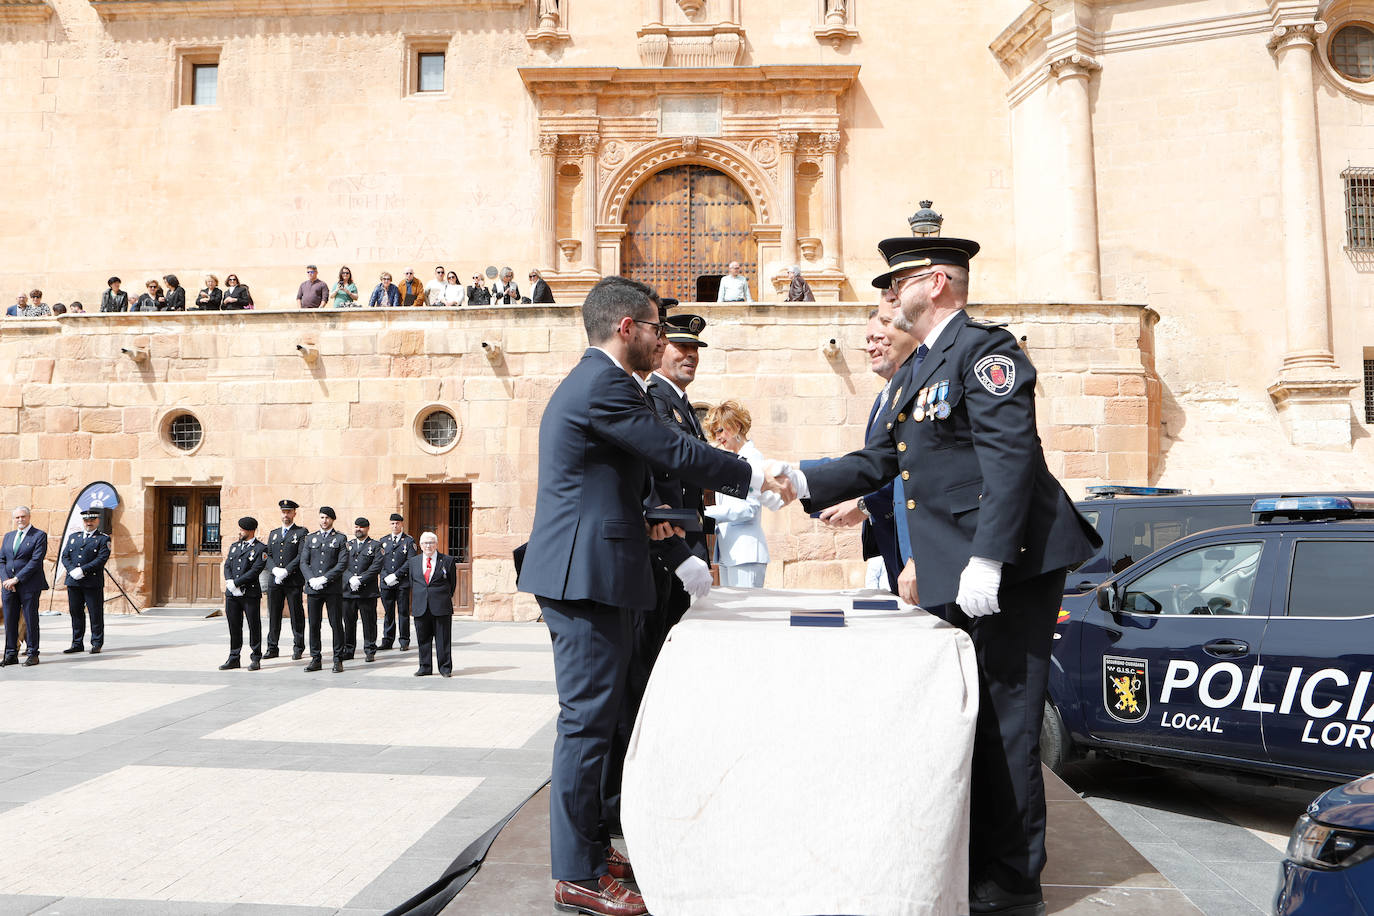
(397, 549)
(283, 549)
(243, 593)
(84, 557)
(668, 397)
(360, 590)
(323, 557)
(993, 533)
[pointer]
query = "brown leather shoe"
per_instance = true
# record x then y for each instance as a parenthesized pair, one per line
(618, 865)
(610, 899)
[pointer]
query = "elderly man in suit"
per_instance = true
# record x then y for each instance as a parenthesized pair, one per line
(433, 577)
(587, 562)
(84, 558)
(21, 582)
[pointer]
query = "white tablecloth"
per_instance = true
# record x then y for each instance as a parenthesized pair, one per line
(803, 770)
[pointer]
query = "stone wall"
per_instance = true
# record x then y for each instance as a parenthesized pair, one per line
(343, 429)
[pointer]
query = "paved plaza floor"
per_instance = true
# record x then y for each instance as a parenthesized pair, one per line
(143, 780)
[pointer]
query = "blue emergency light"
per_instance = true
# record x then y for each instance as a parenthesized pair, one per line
(1310, 508)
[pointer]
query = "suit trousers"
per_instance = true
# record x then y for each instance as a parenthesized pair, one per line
(1007, 816)
(591, 655)
(79, 602)
(438, 628)
(395, 609)
(278, 595)
(21, 602)
(367, 609)
(330, 603)
(235, 611)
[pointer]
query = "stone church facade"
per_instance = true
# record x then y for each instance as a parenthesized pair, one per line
(1173, 201)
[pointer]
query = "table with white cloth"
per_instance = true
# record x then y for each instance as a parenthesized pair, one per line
(778, 769)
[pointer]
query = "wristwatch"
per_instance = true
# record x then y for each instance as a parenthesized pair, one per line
(864, 509)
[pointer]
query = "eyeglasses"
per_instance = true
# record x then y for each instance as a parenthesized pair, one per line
(660, 329)
(896, 283)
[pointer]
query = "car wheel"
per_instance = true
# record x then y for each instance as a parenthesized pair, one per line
(1056, 747)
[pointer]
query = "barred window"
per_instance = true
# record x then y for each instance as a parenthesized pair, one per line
(185, 432)
(1359, 208)
(1351, 52)
(1369, 390)
(440, 428)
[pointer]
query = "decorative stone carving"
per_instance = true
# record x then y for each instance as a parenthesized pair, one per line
(569, 247)
(756, 182)
(588, 144)
(1072, 66)
(1302, 33)
(830, 142)
(788, 142)
(548, 143)
(810, 247)
(689, 145)
(835, 13)
(653, 49)
(691, 7)
(692, 51)
(764, 151)
(548, 31)
(725, 48)
(835, 28)
(613, 153)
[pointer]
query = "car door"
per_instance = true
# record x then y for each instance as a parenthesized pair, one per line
(1318, 656)
(1170, 670)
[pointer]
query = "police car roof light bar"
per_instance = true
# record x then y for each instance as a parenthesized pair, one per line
(1107, 492)
(1311, 508)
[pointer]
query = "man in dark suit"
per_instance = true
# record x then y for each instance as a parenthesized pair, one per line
(84, 557)
(360, 590)
(993, 533)
(243, 565)
(540, 292)
(587, 562)
(397, 549)
(433, 577)
(323, 556)
(283, 549)
(21, 582)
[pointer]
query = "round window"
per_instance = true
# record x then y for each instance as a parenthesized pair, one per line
(1351, 51)
(439, 429)
(185, 432)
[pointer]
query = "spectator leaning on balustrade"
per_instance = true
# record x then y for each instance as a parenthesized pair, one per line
(76, 308)
(478, 294)
(505, 290)
(236, 295)
(148, 301)
(412, 290)
(385, 295)
(36, 307)
(114, 299)
(453, 292)
(434, 289)
(540, 292)
(175, 299)
(211, 298)
(313, 291)
(345, 291)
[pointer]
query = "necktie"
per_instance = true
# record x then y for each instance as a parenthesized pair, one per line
(19, 538)
(921, 352)
(428, 563)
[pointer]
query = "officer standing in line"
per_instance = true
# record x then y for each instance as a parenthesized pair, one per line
(323, 557)
(84, 558)
(668, 396)
(993, 533)
(360, 590)
(397, 549)
(243, 593)
(283, 548)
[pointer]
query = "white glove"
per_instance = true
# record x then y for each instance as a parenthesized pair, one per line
(354, 583)
(770, 501)
(279, 573)
(798, 479)
(229, 586)
(695, 576)
(317, 582)
(235, 590)
(978, 587)
(77, 573)
(391, 579)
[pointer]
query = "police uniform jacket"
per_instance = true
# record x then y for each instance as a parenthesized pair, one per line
(364, 561)
(677, 413)
(973, 470)
(91, 554)
(323, 553)
(283, 550)
(244, 564)
(396, 550)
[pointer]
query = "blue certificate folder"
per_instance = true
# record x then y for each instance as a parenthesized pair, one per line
(875, 604)
(825, 618)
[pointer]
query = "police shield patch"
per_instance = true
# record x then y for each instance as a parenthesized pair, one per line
(1126, 688)
(996, 373)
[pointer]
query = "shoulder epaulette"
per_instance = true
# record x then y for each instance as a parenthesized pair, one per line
(986, 325)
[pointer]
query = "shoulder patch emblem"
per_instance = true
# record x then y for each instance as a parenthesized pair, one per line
(996, 373)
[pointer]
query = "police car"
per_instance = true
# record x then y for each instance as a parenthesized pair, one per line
(1329, 868)
(1246, 649)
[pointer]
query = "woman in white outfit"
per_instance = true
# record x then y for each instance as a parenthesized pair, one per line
(741, 549)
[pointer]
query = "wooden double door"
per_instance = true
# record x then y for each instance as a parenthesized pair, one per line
(446, 509)
(188, 547)
(684, 225)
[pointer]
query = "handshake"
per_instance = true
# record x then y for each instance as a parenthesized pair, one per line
(781, 483)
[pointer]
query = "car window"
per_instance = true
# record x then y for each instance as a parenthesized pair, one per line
(1216, 579)
(1331, 579)
(1141, 530)
(1094, 518)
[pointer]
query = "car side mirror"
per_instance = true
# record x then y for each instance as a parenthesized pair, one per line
(1107, 599)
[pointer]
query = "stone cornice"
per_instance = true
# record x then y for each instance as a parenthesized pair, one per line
(24, 11)
(168, 9)
(833, 77)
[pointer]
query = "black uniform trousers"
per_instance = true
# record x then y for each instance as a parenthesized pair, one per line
(439, 630)
(395, 610)
(21, 601)
(1007, 816)
(83, 600)
(352, 609)
(591, 656)
(235, 611)
(317, 606)
(278, 595)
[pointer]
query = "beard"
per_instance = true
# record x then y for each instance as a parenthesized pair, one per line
(643, 358)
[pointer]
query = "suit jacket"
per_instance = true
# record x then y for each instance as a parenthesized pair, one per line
(212, 303)
(434, 597)
(364, 561)
(677, 413)
(26, 562)
(91, 554)
(396, 553)
(241, 296)
(739, 523)
(541, 292)
(283, 550)
(598, 439)
(244, 565)
(323, 553)
(976, 480)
